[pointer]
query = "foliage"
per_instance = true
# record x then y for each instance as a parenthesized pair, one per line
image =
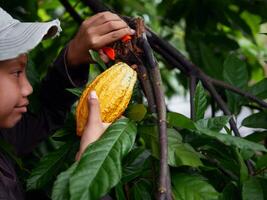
(206, 161)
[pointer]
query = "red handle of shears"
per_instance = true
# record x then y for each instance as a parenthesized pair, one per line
(110, 52)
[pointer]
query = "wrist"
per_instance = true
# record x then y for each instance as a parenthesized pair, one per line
(76, 56)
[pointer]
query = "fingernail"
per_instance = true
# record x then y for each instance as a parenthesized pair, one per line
(132, 31)
(93, 95)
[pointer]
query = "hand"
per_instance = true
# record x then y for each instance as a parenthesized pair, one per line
(95, 127)
(94, 33)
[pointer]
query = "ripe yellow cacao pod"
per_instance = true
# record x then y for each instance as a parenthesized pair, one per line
(114, 88)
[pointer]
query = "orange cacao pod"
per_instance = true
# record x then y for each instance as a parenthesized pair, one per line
(114, 89)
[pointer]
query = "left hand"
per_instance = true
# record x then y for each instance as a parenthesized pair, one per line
(94, 127)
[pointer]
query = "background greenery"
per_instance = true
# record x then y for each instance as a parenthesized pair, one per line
(226, 39)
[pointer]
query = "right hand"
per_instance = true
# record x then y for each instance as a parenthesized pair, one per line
(96, 32)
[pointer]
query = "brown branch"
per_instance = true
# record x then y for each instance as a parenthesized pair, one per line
(96, 6)
(164, 179)
(146, 87)
(238, 91)
(164, 47)
(142, 71)
(71, 11)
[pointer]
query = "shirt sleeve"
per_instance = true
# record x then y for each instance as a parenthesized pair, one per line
(56, 103)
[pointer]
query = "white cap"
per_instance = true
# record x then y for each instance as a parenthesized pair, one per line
(20, 37)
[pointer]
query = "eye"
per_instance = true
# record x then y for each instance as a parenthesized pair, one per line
(17, 73)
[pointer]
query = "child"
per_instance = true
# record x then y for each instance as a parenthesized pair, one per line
(24, 130)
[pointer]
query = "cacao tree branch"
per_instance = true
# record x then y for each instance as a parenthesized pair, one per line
(96, 5)
(142, 71)
(164, 179)
(163, 47)
(238, 91)
(147, 88)
(71, 11)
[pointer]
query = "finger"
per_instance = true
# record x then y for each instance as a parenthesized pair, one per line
(94, 109)
(93, 18)
(115, 35)
(102, 18)
(111, 26)
(106, 125)
(103, 56)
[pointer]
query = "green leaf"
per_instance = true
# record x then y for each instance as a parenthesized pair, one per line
(257, 120)
(76, 91)
(257, 136)
(184, 155)
(141, 190)
(179, 120)
(48, 167)
(212, 65)
(136, 112)
(260, 89)
(230, 192)
(231, 140)
(237, 22)
(98, 60)
(200, 102)
(119, 192)
(190, 187)
(179, 153)
(262, 162)
(61, 185)
(135, 164)
(100, 169)
(252, 189)
(235, 73)
(215, 124)
(243, 171)
(246, 154)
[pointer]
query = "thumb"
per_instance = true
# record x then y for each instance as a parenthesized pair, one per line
(94, 109)
(103, 56)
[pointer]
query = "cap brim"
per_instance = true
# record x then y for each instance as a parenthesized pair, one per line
(22, 37)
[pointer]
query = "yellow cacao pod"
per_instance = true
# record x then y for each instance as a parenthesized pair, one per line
(114, 88)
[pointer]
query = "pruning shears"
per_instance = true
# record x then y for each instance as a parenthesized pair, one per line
(110, 52)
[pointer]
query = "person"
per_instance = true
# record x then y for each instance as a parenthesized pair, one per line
(24, 130)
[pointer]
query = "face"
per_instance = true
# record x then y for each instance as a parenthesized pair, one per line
(14, 90)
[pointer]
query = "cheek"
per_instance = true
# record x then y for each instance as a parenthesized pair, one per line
(9, 98)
